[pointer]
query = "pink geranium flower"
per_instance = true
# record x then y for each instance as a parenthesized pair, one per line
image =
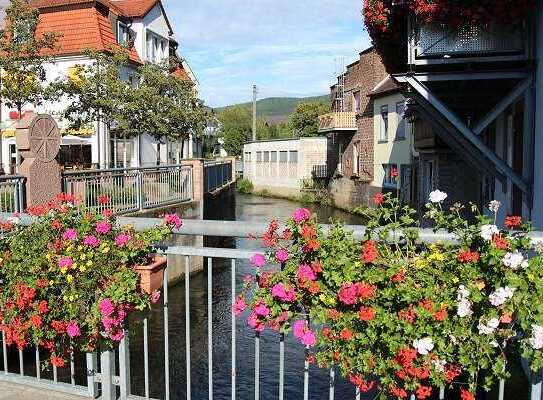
(306, 273)
(283, 293)
(255, 323)
(258, 260)
(72, 329)
(309, 339)
(103, 227)
(106, 307)
(155, 297)
(69, 234)
(302, 332)
(91, 241)
(239, 306)
(173, 220)
(261, 310)
(65, 262)
(122, 239)
(281, 255)
(301, 215)
(348, 294)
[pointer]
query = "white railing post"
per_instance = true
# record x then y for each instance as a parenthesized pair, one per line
(107, 375)
(535, 393)
(92, 383)
(124, 367)
(139, 189)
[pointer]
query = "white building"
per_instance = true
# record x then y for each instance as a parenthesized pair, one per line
(102, 25)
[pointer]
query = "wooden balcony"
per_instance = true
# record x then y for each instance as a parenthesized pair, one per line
(439, 44)
(337, 121)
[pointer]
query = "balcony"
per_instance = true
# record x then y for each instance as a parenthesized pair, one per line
(439, 44)
(337, 121)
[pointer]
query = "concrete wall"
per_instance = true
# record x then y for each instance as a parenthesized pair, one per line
(391, 151)
(284, 174)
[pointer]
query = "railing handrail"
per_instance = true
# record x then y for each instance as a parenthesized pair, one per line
(11, 177)
(128, 169)
(242, 229)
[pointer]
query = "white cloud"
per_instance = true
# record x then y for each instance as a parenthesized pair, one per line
(286, 47)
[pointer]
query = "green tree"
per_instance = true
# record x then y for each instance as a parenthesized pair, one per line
(23, 56)
(304, 121)
(164, 106)
(236, 128)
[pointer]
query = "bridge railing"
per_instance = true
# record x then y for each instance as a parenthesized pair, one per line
(217, 174)
(111, 377)
(12, 193)
(130, 189)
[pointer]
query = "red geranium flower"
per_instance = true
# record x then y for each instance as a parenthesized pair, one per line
(103, 200)
(378, 199)
(466, 395)
(366, 314)
(423, 392)
(500, 242)
(466, 256)
(399, 277)
(346, 334)
(513, 221)
(369, 252)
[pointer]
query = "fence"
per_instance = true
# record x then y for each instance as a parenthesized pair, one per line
(11, 193)
(103, 376)
(216, 175)
(131, 189)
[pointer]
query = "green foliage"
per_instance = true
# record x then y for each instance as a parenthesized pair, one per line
(398, 314)
(68, 279)
(236, 127)
(244, 186)
(304, 121)
(23, 56)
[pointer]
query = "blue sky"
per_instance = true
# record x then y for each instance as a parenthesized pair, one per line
(286, 47)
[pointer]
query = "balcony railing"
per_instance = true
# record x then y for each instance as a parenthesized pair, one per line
(217, 174)
(435, 44)
(112, 376)
(337, 121)
(11, 193)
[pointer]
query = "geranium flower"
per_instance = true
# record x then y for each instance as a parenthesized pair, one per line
(466, 256)
(122, 239)
(348, 294)
(103, 227)
(255, 323)
(57, 361)
(301, 331)
(424, 345)
(301, 215)
(423, 392)
(501, 295)
(366, 314)
(515, 260)
(239, 306)
(378, 198)
(106, 307)
(72, 329)
(281, 255)
(500, 242)
(466, 395)
(103, 200)
(258, 260)
(489, 327)
(155, 296)
(91, 241)
(173, 220)
(488, 231)
(536, 340)
(369, 252)
(437, 196)
(513, 221)
(305, 273)
(261, 310)
(283, 293)
(65, 262)
(494, 206)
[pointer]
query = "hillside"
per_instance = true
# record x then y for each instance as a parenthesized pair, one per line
(277, 109)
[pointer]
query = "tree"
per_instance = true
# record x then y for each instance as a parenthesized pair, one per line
(164, 106)
(95, 91)
(23, 56)
(236, 128)
(304, 121)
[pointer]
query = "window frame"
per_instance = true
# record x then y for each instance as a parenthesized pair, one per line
(120, 27)
(383, 123)
(388, 181)
(402, 126)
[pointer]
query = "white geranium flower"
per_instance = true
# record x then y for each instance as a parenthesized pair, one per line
(463, 292)
(536, 340)
(501, 295)
(464, 308)
(439, 365)
(494, 206)
(489, 327)
(514, 260)
(424, 345)
(488, 231)
(437, 196)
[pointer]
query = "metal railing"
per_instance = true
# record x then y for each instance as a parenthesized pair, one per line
(337, 121)
(130, 189)
(216, 175)
(12, 193)
(111, 378)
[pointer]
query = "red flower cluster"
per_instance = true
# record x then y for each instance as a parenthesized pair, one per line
(271, 237)
(366, 314)
(500, 242)
(466, 395)
(309, 235)
(466, 256)
(362, 384)
(369, 252)
(513, 221)
(378, 198)
(351, 293)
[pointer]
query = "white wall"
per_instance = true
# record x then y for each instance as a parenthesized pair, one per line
(391, 151)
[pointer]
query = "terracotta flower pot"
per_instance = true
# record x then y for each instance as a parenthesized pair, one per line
(152, 275)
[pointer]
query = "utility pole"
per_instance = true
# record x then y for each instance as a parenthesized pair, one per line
(255, 92)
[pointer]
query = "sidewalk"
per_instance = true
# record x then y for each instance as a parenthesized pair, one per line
(11, 391)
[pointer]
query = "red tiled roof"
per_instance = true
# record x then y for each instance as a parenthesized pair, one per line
(180, 72)
(134, 8)
(80, 28)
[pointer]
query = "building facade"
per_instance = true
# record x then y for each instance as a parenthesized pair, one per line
(102, 25)
(285, 166)
(361, 158)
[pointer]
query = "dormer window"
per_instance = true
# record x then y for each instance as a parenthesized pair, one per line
(124, 34)
(157, 47)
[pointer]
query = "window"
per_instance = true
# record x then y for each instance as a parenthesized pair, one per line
(266, 156)
(247, 156)
(283, 156)
(123, 34)
(273, 157)
(390, 179)
(400, 112)
(356, 160)
(356, 97)
(156, 47)
(293, 158)
(383, 134)
(258, 156)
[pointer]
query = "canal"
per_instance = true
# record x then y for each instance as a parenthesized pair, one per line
(241, 208)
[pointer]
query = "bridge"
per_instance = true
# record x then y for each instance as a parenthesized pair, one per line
(132, 190)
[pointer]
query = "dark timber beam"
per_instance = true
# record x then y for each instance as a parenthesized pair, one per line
(463, 76)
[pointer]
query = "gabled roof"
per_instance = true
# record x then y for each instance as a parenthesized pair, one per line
(135, 8)
(81, 25)
(386, 86)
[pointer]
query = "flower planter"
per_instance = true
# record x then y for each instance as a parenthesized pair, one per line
(152, 275)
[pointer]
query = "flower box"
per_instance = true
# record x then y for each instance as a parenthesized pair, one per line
(152, 275)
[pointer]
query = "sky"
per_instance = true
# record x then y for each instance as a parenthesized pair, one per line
(288, 48)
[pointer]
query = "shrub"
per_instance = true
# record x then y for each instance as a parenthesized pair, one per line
(244, 186)
(68, 281)
(399, 315)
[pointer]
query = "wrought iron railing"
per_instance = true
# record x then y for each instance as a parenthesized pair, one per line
(130, 189)
(12, 193)
(110, 377)
(217, 174)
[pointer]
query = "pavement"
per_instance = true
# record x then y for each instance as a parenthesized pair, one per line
(12, 391)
